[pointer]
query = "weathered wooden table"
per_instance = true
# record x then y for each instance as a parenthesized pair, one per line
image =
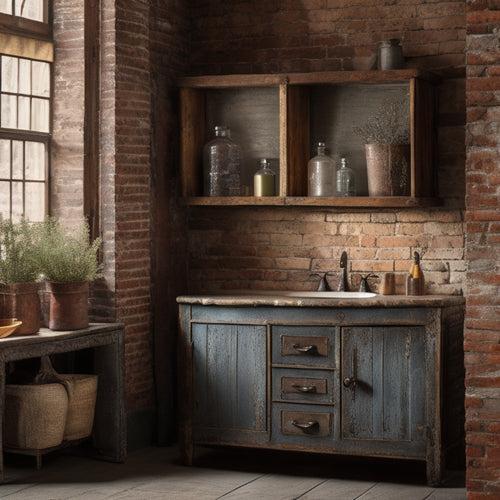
(107, 342)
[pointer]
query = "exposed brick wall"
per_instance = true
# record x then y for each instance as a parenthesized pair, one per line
(279, 248)
(66, 200)
(322, 35)
(169, 51)
(276, 248)
(482, 335)
(125, 124)
(132, 203)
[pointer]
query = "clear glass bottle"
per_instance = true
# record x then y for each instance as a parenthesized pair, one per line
(321, 173)
(264, 180)
(346, 185)
(221, 165)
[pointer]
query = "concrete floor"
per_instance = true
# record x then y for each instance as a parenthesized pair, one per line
(155, 473)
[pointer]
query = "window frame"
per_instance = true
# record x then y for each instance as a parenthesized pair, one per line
(25, 38)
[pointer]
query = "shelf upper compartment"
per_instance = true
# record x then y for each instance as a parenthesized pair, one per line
(282, 116)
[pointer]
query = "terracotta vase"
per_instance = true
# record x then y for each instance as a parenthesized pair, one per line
(21, 301)
(388, 169)
(69, 305)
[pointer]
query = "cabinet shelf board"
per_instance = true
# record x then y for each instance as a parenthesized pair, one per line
(230, 81)
(305, 201)
(333, 77)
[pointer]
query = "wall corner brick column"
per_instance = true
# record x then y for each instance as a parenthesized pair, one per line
(67, 151)
(482, 326)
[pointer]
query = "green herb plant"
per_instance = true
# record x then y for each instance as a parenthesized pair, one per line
(19, 243)
(68, 256)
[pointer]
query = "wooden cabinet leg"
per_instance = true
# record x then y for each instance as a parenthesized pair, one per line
(433, 462)
(186, 452)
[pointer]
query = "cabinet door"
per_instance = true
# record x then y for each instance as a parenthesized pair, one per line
(383, 383)
(229, 379)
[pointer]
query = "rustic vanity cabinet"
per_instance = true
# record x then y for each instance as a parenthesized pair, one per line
(358, 377)
(282, 117)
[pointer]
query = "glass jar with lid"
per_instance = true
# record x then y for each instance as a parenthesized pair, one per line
(221, 165)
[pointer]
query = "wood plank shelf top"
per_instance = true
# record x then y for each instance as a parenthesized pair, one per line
(309, 201)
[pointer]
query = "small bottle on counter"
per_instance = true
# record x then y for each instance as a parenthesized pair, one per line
(415, 279)
(264, 180)
(346, 185)
(321, 173)
(221, 165)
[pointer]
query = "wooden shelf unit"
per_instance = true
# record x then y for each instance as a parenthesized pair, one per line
(282, 117)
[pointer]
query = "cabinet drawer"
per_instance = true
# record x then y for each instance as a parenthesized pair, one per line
(302, 386)
(302, 425)
(304, 345)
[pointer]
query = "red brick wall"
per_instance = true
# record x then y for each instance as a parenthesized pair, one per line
(132, 202)
(66, 200)
(318, 35)
(279, 248)
(169, 50)
(125, 136)
(482, 335)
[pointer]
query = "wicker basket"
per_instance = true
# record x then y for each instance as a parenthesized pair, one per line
(35, 416)
(82, 397)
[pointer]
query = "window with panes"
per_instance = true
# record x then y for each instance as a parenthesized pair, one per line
(26, 55)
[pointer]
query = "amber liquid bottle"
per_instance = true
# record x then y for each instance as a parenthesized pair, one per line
(415, 280)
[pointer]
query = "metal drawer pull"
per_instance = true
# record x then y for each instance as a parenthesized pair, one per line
(305, 426)
(306, 348)
(304, 388)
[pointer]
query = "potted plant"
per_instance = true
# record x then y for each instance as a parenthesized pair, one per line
(68, 261)
(386, 136)
(19, 273)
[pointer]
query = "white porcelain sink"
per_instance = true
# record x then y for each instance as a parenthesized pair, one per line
(329, 295)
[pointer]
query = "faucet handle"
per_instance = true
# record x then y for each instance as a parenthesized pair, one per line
(323, 285)
(363, 284)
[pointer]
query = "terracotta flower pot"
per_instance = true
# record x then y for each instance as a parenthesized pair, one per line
(388, 169)
(21, 301)
(69, 305)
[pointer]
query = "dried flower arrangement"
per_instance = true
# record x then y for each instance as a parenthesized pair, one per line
(391, 125)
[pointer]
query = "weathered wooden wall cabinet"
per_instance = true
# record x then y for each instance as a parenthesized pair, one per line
(364, 377)
(281, 117)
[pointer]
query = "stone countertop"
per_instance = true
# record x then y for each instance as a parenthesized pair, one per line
(254, 298)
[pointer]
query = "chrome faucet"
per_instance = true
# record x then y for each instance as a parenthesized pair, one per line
(343, 283)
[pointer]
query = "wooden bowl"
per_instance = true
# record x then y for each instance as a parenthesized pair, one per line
(8, 326)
